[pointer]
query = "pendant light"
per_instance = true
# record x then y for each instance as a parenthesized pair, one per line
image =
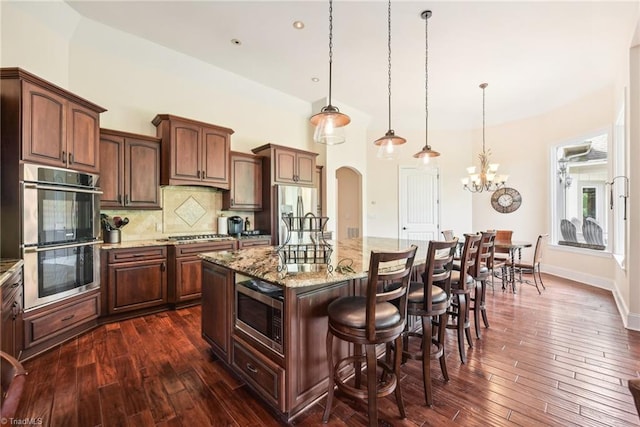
(329, 122)
(388, 142)
(426, 153)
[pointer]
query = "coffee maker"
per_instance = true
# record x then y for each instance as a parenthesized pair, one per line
(235, 225)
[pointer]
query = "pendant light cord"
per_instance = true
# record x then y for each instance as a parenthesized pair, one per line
(426, 79)
(330, 44)
(483, 152)
(389, 57)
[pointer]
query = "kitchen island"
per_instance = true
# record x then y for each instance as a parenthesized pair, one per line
(286, 363)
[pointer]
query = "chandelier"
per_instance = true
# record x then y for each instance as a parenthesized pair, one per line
(487, 178)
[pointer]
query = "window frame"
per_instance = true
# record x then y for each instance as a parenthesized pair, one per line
(556, 196)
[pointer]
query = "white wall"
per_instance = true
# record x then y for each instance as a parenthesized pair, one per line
(381, 208)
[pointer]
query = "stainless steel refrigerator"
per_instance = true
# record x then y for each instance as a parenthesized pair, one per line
(294, 201)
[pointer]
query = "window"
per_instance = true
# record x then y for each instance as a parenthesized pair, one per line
(580, 215)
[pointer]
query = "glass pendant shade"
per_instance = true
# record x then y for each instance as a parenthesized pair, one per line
(329, 125)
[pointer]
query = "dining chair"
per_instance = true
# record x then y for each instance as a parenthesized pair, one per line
(462, 284)
(431, 299)
(480, 272)
(378, 317)
(12, 380)
(534, 266)
(448, 235)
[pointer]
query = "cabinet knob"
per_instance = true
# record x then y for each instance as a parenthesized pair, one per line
(163, 266)
(119, 199)
(64, 156)
(126, 199)
(232, 201)
(70, 158)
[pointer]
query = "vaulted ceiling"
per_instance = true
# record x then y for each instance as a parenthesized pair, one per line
(536, 56)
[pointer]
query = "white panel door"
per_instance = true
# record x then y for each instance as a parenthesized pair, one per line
(419, 199)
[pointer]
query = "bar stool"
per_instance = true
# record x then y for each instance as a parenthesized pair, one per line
(428, 299)
(462, 284)
(481, 273)
(379, 317)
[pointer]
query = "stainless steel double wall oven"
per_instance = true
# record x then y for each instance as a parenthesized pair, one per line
(61, 227)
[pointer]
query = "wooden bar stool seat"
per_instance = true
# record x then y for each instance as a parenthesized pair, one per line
(378, 317)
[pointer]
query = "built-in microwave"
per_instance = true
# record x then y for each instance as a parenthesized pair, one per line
(259, 311)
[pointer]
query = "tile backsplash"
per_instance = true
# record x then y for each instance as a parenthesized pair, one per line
(186, 210)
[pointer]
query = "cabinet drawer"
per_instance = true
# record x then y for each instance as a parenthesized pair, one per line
(137, 254)
(198, 248)
(11, 284)
(248, 243)
(57, 319)
(263, 374)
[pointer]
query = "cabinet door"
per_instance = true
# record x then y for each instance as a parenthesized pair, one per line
(142, 174)
(188, 279)
(6, 326)
(137, 285)
(306, 168)
(44, 126)
(246, 183)
(285, 165)
(217, 312)
(111, 171)
(83, 130)
(185, 152)
(215, 157)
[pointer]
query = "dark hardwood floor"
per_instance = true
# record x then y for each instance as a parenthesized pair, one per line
(561, 358)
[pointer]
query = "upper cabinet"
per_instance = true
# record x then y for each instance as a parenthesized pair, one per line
(193, 153)
(246, 183)
(289, 166)
(129, 170)
(57, 127)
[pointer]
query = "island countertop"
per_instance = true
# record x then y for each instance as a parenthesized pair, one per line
(262, 262)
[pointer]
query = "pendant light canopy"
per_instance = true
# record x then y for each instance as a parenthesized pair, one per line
(426, 153)
(388, 142)
(329, 122)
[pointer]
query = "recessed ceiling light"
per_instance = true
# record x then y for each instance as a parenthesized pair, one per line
(298, 25)
(236, 42)
(315, 79)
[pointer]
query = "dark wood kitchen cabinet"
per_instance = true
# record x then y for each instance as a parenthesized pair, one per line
(185, 270)
(11, 310)
(129, 170)
(136, 280)
(193, 153)
(245, 192)
(50, 125)
(289, 166)
(217, 313)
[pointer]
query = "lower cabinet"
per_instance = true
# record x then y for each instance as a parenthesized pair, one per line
(11, 309)
(217, 309)
(185, 270)
(136, 279)
(52, 324)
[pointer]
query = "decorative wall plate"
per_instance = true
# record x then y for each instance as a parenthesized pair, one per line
(506, 200)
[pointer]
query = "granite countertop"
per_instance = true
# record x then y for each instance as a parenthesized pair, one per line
(8, 267)
(262, 262)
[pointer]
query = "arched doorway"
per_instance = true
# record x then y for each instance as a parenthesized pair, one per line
(349, 203)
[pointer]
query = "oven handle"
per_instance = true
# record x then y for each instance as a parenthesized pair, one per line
(56, 188)
(34, 249)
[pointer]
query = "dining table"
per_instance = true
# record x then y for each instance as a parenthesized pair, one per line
(514, 249)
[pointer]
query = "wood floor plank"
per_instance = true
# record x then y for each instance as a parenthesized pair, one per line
(562, 358)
